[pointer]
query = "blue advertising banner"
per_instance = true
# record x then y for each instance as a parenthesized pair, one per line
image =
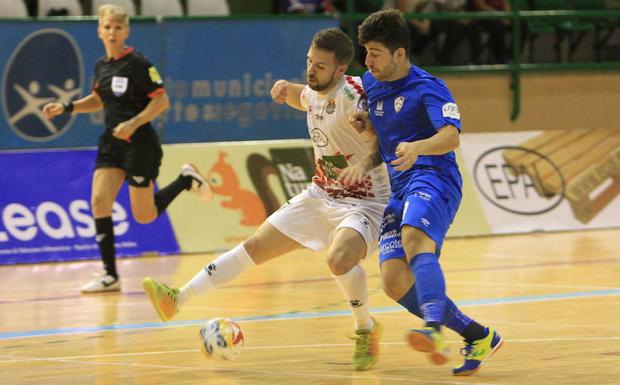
(218, 74)
(45, 211)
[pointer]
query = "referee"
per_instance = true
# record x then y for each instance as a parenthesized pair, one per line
(130, 91)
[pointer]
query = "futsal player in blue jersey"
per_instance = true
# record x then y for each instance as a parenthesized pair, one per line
(417, 125)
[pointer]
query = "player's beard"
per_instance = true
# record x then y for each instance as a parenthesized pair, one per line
(318, 87)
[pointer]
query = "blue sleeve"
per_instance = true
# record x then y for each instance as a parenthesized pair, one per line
(440, 105)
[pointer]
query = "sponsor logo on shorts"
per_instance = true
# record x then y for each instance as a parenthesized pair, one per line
(422, 195)
(385, 247)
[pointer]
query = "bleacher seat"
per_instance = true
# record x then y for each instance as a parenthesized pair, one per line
(208, 8)
(161, 8)
(13, 8)
(129, 5)
(60, 8)
(603, 28)
(572, 29)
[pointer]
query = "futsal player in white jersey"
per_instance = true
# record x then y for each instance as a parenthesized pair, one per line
(340, 211)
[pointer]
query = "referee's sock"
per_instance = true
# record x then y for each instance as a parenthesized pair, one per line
(167, 194)
(105, 240)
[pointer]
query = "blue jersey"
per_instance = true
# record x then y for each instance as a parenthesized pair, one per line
(409, 109)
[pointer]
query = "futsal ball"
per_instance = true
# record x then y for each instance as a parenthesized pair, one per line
(221, 339)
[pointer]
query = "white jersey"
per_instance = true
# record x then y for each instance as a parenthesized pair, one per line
(337, 145)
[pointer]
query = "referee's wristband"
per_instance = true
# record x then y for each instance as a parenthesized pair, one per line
(68, 108)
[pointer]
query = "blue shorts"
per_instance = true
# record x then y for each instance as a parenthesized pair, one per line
(429, 203)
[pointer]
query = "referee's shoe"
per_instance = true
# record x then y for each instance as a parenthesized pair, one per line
(199, 183)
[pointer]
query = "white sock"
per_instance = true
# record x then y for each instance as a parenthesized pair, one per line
(353, 285)
(219, 272)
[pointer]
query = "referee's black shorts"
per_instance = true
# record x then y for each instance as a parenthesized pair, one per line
(140, 158)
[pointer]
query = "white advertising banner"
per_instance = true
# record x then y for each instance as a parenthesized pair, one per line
(545, 180)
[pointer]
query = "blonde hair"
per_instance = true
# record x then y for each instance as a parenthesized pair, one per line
(114, 12)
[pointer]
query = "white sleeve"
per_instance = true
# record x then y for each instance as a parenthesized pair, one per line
(304, 97)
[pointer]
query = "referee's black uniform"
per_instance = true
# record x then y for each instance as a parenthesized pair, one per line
(125, 86)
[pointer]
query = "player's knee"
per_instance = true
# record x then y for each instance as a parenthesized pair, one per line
(415, 241)
(393, 291)
(252, 246)
(143, 217)
(100, 206)
(340, 261)
(393, 286)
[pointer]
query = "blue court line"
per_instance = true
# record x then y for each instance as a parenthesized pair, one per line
(302, 315)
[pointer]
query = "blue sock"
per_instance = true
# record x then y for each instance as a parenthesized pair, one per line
(431, 287)
(410, 302)
(454, 319)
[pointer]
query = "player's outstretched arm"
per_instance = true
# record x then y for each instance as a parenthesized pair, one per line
(90, 103)
(284, 91)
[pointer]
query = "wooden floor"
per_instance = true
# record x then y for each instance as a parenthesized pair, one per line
(555, 298)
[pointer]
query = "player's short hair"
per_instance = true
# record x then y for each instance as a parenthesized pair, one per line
(336, 41)
(114, 12)
(387, 27)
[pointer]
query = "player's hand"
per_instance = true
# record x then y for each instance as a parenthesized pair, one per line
(279, 91)
(360, 121)
(353, 174)
(124, 130)
(50, 110)
(406, 156)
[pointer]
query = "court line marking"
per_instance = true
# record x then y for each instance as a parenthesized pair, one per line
(324, 279)
(302, 315)
(18, 359)
(279, 373)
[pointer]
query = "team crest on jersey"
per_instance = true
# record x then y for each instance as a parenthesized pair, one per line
(119, 85)
(319, 138)
(331, 106)
(398, 103)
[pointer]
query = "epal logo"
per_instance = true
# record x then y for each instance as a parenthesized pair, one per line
(523, 190)
(45, 67)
